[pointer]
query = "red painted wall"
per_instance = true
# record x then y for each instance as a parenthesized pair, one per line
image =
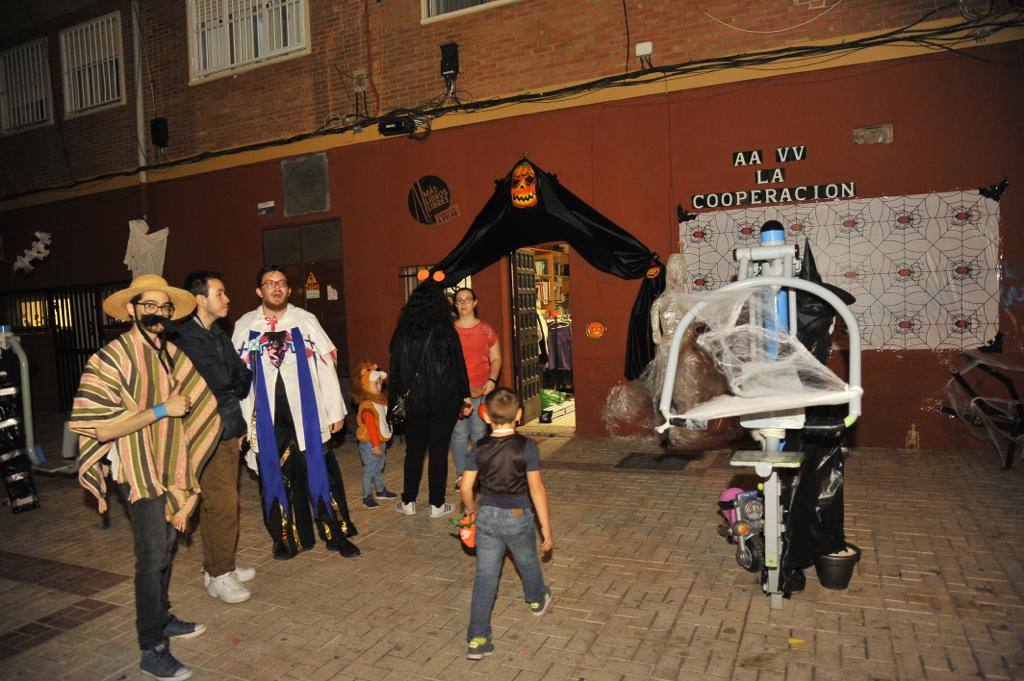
(634, 161)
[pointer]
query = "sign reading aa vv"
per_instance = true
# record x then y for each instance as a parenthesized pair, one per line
(767, 180)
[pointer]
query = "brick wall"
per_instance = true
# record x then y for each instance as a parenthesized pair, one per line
(526, 45)
(81, 146)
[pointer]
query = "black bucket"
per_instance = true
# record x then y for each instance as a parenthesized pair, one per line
(835, 572)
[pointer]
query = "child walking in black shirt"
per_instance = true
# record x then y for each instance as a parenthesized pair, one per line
(508, 466)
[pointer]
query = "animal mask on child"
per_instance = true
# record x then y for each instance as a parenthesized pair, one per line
(368, 373)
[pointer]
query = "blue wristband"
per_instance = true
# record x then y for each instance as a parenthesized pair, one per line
(161, 411)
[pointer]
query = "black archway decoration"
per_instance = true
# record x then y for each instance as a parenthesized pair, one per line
(560, 215)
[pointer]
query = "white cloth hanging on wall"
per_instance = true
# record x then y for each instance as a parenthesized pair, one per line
(924, 267)
(145, 254)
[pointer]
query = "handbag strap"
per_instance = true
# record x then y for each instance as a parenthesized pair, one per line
(423, 356)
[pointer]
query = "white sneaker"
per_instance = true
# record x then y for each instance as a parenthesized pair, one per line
(244, 574)
(440, 511)
(406, 509)
(227, 588)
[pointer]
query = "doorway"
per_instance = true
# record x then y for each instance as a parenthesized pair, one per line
(312, 260)
(542, 347)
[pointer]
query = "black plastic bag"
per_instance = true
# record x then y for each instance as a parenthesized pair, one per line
(813, 500)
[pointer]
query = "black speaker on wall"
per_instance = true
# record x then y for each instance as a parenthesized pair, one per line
(158, 132)
(450, 59)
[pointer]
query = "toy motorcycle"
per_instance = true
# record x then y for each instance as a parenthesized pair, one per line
(743, 524)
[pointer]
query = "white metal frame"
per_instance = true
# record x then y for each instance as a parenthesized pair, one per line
(77, 42)
(425, 17)
(767, 461)
(200, 75)
(30, 56)
(852, 394)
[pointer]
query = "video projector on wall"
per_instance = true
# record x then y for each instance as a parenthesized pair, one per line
(397, 125)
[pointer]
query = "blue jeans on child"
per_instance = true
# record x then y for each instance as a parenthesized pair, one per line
(470, 429)
(372, 466)
(496, 530)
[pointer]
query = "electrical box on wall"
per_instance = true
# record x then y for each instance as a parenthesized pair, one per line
(873, 134)
(305, 184)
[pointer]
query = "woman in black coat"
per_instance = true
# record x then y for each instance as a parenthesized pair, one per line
(427, 367)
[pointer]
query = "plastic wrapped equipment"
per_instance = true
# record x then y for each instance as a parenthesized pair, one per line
(631, 407)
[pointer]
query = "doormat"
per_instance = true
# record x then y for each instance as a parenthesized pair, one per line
(654, 461)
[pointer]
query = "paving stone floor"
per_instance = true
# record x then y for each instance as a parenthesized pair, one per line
(644, 588)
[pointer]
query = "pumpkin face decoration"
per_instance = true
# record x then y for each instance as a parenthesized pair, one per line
(524, 186)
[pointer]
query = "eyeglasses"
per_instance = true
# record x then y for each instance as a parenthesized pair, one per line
(464, 301)
(280, 283)
(150, 307)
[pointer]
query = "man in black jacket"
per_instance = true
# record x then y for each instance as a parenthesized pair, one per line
(211, 351)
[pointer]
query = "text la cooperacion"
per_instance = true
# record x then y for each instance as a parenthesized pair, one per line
(756, 197)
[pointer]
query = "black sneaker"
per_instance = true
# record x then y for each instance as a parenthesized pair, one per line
(370, 502)
(160, 664)
(386, 494)
(478, 648)
(176, 628)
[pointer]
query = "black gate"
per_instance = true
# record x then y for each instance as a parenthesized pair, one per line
(74, 317)
(79, 328)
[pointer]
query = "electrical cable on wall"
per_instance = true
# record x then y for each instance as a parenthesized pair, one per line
(938, 38)
(625, 16)
(780, 30)
(357, 115)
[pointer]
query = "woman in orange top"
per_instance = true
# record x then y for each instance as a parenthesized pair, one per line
(482, 352)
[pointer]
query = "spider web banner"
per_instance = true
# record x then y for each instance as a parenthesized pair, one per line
(924, 268)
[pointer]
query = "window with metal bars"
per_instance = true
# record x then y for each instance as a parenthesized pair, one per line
(92, 64)
(25, 312)
(25, 99)
(437, 8)
(228, 34)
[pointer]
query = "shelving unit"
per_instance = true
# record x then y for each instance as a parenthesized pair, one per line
(553, 289)
(15, 462)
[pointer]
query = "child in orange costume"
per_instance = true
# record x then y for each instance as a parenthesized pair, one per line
(373, 432)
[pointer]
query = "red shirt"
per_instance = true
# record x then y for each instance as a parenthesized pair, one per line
(477, 341)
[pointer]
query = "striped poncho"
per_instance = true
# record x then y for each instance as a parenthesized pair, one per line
(126, 377)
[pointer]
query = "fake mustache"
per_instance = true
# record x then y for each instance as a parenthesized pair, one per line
(151, 320)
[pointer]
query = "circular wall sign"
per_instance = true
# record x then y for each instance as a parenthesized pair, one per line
(596, 330)
(429, 198)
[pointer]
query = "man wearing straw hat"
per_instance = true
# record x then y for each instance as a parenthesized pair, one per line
(144, 412)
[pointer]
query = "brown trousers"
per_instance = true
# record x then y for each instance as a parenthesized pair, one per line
(218, 504)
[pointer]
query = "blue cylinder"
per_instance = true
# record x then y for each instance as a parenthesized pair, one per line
(773, 234)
